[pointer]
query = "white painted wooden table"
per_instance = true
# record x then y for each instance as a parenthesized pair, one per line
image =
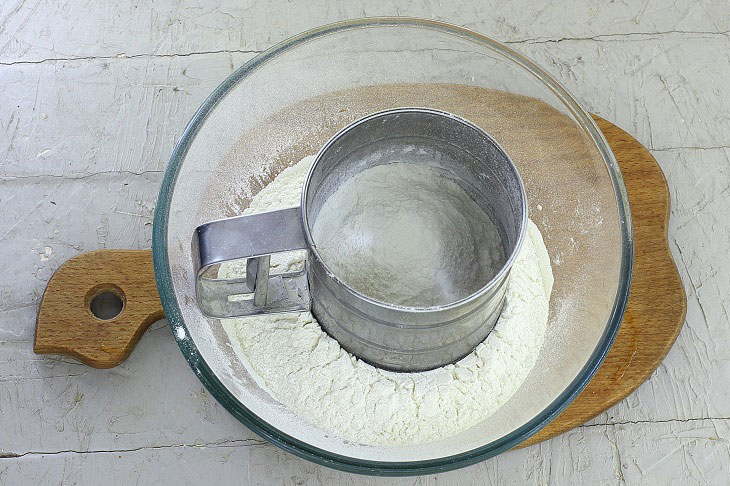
(93, 95)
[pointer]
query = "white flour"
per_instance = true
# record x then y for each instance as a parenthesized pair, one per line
(447, 245)
(307, 371)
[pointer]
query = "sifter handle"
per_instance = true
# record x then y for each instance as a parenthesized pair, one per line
(254, 237)
(66, 322)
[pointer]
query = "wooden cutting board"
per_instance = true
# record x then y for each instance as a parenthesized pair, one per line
(653, 319)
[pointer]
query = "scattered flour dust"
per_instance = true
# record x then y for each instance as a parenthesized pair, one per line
(307, 371)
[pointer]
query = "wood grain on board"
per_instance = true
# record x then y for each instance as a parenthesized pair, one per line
(653, 319)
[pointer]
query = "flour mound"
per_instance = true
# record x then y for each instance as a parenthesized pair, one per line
(308, 372)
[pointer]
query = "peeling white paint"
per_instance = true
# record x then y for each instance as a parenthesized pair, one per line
(46, 254)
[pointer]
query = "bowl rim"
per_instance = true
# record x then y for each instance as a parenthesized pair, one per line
(320, 456)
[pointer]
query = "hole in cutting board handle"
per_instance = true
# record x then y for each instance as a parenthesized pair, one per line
(106, 302)
(80, 302)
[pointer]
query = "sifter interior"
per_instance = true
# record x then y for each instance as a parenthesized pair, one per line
(287, 102)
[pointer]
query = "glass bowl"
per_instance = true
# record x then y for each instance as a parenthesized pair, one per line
(286, 102)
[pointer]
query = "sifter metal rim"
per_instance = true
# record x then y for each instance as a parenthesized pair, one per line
(496, 279)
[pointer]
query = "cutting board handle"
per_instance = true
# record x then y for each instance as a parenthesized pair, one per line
(76, 314)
